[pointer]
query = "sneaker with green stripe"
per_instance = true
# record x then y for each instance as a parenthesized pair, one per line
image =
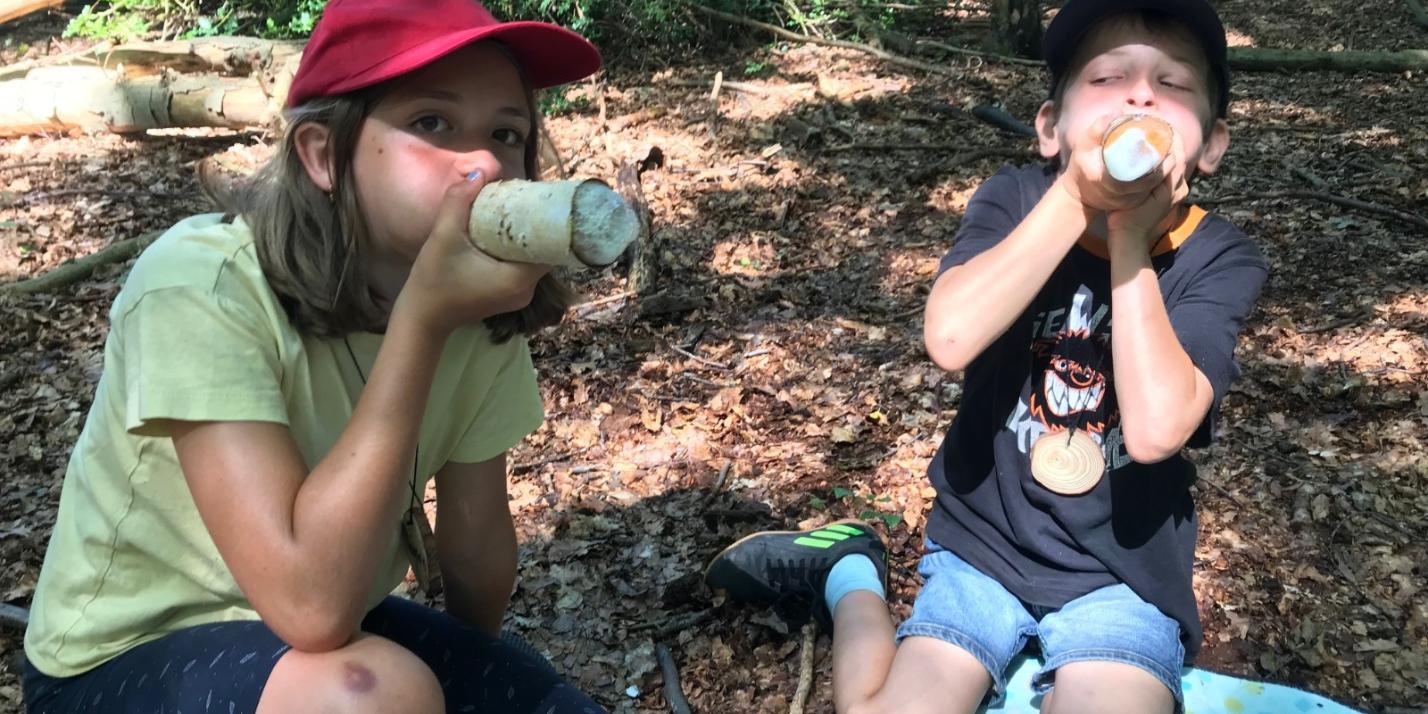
(787, 569)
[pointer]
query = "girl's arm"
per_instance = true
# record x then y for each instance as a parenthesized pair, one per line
(476, 542)
(301, 543)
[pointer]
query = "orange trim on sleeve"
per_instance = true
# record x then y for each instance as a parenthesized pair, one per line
(1171, 241)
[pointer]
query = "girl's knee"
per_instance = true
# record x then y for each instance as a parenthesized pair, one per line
(370, 674)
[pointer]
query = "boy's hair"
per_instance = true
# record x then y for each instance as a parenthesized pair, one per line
(310, 243)
(1158, 24)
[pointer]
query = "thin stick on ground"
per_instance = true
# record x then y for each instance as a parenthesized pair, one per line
(805, 669)
(885, 56)
(1343, 201)
(673, 693)
(79, 269)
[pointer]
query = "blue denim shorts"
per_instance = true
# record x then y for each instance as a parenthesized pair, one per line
(961, 605)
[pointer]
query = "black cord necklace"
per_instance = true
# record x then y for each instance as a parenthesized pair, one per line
(417, 535)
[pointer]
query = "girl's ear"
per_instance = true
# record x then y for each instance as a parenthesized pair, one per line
(1047, 140)
(1215, 146)
(313, 143)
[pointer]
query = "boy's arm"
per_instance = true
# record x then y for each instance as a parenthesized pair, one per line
(1163, 395)
(972, 304)
(476, 542)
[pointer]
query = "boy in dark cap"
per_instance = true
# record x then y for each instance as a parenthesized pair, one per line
(1063, 513)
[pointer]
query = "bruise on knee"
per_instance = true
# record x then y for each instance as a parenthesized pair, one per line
(357, 678)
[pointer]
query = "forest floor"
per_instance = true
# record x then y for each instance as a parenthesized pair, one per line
(782, 381)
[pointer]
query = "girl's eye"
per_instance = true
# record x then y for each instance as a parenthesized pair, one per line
(431, 123)
(1174, 85)
(509, 137)
(1102, 80)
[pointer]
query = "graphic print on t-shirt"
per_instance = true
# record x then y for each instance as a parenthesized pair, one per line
(1071, 384)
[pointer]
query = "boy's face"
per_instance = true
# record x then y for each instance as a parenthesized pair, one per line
(1126, 69)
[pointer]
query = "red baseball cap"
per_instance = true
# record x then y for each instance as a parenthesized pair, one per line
(359, 43)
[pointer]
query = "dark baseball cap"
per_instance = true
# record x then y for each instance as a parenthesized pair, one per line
(1077, 17)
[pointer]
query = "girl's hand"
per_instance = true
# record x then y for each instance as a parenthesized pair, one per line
(1087, 180)
(452, 283)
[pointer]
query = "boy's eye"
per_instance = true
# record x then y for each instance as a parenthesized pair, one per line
(431, 123)
(1175, 84)
(1103, 80)
(509, 137)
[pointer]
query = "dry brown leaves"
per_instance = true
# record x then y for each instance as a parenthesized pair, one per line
(792, 363)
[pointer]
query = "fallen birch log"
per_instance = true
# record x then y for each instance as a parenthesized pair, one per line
(14, 9)
(66, 99)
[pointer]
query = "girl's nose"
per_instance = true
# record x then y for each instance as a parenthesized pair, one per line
(479, 160)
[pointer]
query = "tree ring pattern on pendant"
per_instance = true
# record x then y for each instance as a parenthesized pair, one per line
(1068, 466)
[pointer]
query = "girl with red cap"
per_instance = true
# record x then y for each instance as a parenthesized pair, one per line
(281, 381)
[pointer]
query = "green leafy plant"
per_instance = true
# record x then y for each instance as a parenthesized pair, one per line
(867, 506)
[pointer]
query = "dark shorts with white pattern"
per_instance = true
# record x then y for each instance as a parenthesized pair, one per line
(221, 668)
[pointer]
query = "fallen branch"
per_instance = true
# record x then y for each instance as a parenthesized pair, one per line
(979, 53)
(673, 693)
(1258, 59)
(805, 669)
(12, 9)
(888, 57)
(81, 268)
(1420, 13)
(233, 56)
(1343, 201)
(1002, 119)
(744, 87)
(670, 627)
(11, 616)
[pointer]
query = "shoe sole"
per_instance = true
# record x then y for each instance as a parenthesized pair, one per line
(845, 521)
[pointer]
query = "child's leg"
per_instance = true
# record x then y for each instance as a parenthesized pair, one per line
(1110, 651)
(241, 667)
(871, 673)
(964, 630)
(1107, 687)
(476, 672)
(964, 625)
(368, 675)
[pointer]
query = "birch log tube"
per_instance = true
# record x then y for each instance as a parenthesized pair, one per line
(576, 223)
(1135, 144)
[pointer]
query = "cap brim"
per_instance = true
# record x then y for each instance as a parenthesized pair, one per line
(549, 55)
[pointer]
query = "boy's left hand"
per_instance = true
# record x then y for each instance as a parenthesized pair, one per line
(1142, 226)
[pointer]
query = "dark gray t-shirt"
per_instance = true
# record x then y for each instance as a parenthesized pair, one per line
(1052, 369)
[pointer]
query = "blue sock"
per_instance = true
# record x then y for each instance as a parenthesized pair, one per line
(852, 572)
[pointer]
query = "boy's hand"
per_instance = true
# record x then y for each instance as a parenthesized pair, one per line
(1087, 180)
(1141, 226)
(452, 283)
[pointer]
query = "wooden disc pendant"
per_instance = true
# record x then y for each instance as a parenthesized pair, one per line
(1069, 467)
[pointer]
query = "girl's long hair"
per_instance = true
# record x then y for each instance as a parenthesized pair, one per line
(312, 245)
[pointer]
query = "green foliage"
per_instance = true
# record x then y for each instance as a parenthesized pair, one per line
(123, 20)
(867, 506)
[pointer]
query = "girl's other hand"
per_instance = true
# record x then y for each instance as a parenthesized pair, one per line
(453, 283)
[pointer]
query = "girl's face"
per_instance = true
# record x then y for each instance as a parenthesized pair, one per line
(464, 112)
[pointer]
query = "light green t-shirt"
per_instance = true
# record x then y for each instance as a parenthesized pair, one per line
(197, 335)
